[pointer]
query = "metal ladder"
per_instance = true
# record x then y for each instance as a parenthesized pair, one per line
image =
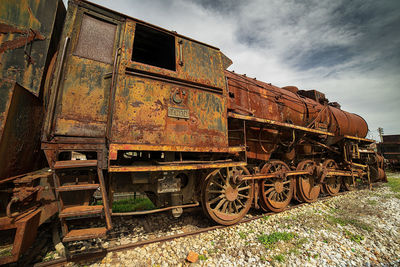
(68, 211)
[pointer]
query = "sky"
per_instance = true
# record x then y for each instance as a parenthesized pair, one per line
(349, 50)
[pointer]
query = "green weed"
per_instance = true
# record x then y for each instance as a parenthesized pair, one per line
(353, 237)
(279, 258)
(265, 217)
(242, 235)
(269, 240)
(349, 221)
(202, 257)
(126, 205)
(394, 184)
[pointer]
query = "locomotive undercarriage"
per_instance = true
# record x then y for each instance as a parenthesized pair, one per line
(287, 163)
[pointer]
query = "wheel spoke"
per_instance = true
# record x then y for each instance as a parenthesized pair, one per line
(222, 177)
(215, 199)
(216, 191)
(230, 207)
(217, 184)
(224, 207)
(269, 190)
(220, 204)
(286, 189)
(244, 188)
(240, 202)
(244, 196)
(286, 182)
(235, 206)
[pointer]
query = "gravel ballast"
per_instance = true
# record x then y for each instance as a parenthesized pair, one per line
(360, 228)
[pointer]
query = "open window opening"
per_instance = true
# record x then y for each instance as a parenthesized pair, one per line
(154, 48)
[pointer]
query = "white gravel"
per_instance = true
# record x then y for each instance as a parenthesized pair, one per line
(357, 229)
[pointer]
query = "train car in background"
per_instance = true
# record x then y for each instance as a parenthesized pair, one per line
(390, 149)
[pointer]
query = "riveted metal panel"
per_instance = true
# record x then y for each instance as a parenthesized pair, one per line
(141, 114)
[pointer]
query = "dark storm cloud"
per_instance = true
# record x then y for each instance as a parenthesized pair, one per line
(221, 6)
(374, 30)
(318, 34)
(324, 56)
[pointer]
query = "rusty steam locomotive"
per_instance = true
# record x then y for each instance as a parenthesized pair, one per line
(119, 105)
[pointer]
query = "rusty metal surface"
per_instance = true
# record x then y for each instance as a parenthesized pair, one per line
(141, 115)
(96, 39)
(112, 168)
(19, 131)
(26, 227)
(68, 164)
(146, 107)
(390, 149)
(27, 41)
(26, 29)
(80, 211)
(252, 97)
(81, 234)
(83, 91)
(202, 64)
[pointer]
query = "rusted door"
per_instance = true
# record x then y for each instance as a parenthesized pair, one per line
(84, 88)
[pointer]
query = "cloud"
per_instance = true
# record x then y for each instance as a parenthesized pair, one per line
(350, 50)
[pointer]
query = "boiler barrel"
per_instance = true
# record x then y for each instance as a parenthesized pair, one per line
(345, 123)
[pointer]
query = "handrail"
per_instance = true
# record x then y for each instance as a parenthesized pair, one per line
(54, 97)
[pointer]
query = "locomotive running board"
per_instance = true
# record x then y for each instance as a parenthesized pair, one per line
(277, 123)
(288, 125)
(172, 167)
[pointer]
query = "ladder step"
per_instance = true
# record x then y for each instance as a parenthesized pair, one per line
(80, 211)
(69, 164)
(77, 187)
(83, 234)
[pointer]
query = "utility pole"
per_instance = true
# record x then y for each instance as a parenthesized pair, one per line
(380, 131)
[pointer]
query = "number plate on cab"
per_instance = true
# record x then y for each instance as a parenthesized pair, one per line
(178, 113)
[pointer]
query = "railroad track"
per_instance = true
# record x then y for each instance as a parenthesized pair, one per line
(100, 253)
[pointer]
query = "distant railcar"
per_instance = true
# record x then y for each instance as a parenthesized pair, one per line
(390, 150)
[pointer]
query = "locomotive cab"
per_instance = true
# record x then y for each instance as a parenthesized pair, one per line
(142, 106)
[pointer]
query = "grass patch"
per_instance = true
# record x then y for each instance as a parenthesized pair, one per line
(242, 235)
(130, 204)
(343, 221)
(394, 184)
(265, 217)
(269, 240)
(353, 237)
(279, 258)
(202, 257)
(372, 202)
